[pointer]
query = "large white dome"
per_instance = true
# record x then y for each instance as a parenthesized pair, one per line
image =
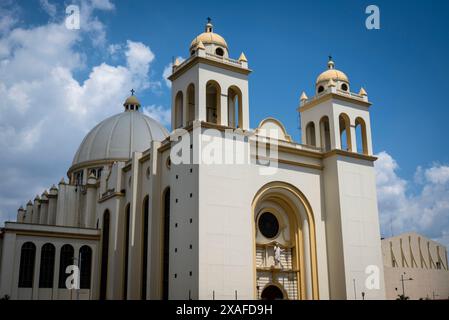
(117, 137)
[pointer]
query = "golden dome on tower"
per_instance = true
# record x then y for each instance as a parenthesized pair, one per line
(132, 100)
(209, 37)
(331, 74)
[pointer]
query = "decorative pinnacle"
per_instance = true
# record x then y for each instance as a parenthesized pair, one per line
(132, 91)
(243, 58)
(303, 97)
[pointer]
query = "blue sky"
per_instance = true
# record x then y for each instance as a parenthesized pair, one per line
(404, 67)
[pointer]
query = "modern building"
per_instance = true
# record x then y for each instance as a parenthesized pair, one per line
(214, 209)
(415, 267)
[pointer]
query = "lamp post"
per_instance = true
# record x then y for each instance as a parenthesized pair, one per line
(403, 287)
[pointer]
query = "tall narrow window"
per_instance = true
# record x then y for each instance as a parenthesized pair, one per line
(325, 134)
(190, 104)
(126, 254)
(166, 245)
(67, 259)
(213, 94)
(47, 268)
(26, 269)
(85, 265)
(179, 110)
(345, 133)
(235, 107)
(143, 292)
(361, 138)
(104, 255)
(310, 134)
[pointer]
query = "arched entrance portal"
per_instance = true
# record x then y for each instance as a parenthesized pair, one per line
(272, 292)
(284, 241)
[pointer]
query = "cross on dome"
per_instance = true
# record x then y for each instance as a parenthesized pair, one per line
(132, 103)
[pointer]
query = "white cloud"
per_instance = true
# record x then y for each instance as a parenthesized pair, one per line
(438, 174)
(8, 15)
(114, 49)
(168, 71)
(102, 4)
(138, 58)
(159, 113)
(425, 211)
(48, 7)
(45, 111)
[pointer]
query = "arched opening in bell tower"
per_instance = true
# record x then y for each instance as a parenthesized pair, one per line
(190, 104)
(213, 95)
(235, 113)
(345, 132)
(310, 134)
(179, 110)
(325, 134)
(361, 138)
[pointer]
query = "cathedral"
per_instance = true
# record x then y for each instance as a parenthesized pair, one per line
(214, 209)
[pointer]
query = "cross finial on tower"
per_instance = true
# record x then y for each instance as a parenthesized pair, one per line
(132, 91)
(209, 27)
(330, 63)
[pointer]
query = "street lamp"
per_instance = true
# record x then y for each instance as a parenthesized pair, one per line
(402, 280)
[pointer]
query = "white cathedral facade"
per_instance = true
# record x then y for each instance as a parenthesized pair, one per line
(148, 214)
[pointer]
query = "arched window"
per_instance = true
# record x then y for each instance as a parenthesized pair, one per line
(179, 110)
(26, 269)
(126, 254)
(190, 104)
(345, 132)
(67, 259)
(320, 89)
(235, 113)
(219, 52)
(213, 94)
(145, 209)
(344, 87)
(166, 245)
(325, 133)
(85, 265)
(310, 134)
(104, 255)
(361, 138)
(47, 268)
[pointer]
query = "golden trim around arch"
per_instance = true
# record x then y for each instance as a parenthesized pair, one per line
(312, 232)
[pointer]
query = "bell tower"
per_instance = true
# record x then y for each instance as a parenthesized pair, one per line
(336, 118)
(209, 86)
(337, 121)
